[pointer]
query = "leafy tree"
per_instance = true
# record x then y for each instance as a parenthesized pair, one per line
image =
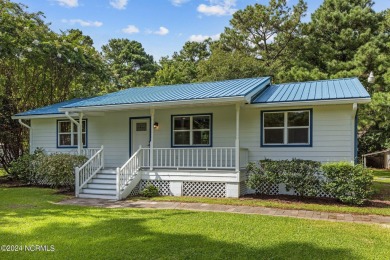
(39, 67)
(183, 66)
(129, 64)
(265, 32)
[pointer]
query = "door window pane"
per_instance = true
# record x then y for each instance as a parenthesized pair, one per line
(273, 119)
(182, 123)
(298, 118)
(141, 127)
(182, 138)
(273, 136)
(298, 135)
(201, 137)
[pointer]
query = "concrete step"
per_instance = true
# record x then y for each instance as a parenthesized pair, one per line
(98, 191)
(102, 186)
(97, 196)
(103, 181)
(105, 176)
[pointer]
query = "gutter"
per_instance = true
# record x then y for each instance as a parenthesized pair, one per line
(312, 102)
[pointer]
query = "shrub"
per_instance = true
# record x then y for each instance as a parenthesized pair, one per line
(348, 183)
(150, 191)
(263, 175)
(58, 169)
(24, 169)
(300, 175)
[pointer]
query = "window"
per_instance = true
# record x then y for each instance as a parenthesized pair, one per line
(286, 128)
(191, 130)
(67, 133)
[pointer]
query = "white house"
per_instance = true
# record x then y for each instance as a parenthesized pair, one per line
(196, 139)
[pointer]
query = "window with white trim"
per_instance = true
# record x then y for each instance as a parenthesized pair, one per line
(191, 130)
(286, 128)
(67, 133)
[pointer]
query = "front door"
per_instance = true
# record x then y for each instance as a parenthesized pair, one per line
(140, 133)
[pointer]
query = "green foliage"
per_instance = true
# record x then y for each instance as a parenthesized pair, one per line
(129, 64)
(300, 175)
(24, 168)
(348, 183)
(58, 169)
(150, 191)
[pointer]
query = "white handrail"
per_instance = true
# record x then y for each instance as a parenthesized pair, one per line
(88, 170)
(128, 171)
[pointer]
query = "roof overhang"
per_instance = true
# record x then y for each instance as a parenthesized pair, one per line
(57, 115)
(313, 102)
(165, 104)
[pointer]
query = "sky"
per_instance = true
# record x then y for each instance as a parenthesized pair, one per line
(162, 26)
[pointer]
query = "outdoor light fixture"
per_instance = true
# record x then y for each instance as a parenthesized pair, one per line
(155, 126)
(371, 78)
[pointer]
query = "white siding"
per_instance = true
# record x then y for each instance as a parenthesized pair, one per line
(332, 133)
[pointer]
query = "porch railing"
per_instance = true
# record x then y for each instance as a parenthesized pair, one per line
(87, 152)
(128, 171)
(190, 158)
(89, 169)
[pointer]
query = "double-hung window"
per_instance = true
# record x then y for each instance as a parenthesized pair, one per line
(286, 128)
(68, 135)
(191, 130)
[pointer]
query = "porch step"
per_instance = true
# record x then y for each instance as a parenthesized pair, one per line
(99, 191)
(108, 171)
(97, 196)
(103, 181)
(102, 186)
(105, 176)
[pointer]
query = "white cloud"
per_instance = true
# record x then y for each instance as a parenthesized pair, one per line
(201, 38)
(218, 7)
(130, 29)
(162, 31)
(179, 2)
(83, 22)
(119, 4)
(68, 3)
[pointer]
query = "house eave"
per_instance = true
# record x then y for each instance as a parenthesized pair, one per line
(312, 102)
(217, 101)
(58, 115)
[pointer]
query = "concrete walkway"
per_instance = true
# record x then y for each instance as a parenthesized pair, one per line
(306, 214)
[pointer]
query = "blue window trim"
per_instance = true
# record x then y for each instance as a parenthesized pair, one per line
(310, 144)
(72, 146)
(193, 146)
(130, 129)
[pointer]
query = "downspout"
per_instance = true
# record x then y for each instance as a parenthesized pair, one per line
(79, 130)
(30, 132)
(355, 139)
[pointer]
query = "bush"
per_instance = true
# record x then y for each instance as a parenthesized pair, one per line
(58, 169)
(300, 175)
(263, 175)
(348, 183)
(150, 191)
(24, 169)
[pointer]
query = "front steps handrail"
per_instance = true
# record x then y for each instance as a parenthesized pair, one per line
(127, 173)
(88, 170)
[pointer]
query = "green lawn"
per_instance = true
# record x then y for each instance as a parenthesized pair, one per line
(29, 217)
(382, 176)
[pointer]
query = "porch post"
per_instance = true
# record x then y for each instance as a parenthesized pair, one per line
(151, 137)
(237, 137)
(79, 134)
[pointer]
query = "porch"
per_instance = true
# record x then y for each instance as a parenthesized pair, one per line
(211, 171)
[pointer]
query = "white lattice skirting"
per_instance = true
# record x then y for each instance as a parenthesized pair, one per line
(163, 186)
(204, 189)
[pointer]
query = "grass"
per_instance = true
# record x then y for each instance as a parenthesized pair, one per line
(382, 184)
(28, 216)
(381, 175)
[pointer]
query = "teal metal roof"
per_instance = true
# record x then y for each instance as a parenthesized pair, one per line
(181, 92)
(348, 88)
(50, 110)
